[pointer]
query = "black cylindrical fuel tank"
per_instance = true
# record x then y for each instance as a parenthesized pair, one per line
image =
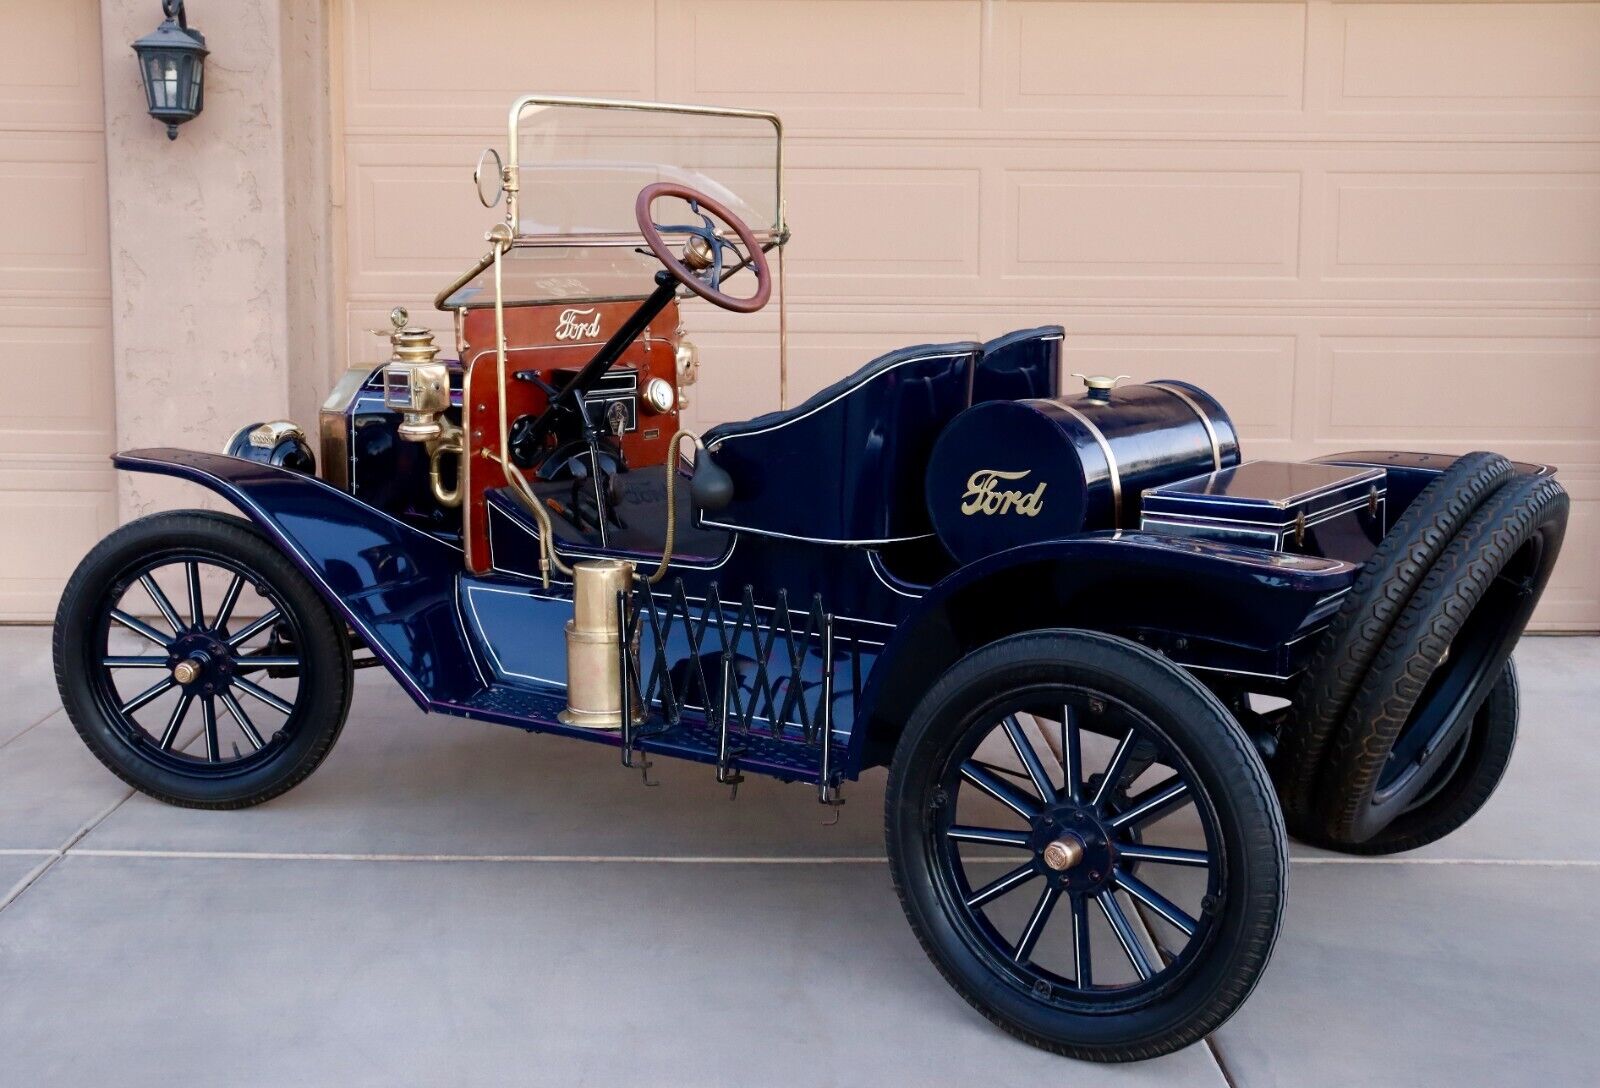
(1007, 473)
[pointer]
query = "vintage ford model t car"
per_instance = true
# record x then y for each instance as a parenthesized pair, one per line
(1096, 647)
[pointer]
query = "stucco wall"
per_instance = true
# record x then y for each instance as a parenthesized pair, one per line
(208, 231)
(307, 210)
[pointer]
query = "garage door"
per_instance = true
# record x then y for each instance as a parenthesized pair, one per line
(1359, 224)
(56, 419)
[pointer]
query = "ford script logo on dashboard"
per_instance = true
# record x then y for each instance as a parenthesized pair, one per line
(985, 496)
(577, 324)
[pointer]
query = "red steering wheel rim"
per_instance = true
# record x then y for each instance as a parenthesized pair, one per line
(680, 271)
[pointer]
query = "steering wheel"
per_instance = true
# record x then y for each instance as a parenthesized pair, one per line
(701, 268)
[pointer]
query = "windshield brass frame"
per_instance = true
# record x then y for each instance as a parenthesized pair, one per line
(522, 104)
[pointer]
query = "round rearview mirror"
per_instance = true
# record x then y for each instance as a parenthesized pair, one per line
(491, 183)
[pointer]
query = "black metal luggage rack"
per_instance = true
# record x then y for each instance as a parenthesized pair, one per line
(745, 682)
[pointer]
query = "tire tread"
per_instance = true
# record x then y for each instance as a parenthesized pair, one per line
(1345, 652)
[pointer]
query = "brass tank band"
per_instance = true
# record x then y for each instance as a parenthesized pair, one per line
(1205, 421)
(1111, 461)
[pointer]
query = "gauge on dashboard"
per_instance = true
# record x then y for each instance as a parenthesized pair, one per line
(658, 395)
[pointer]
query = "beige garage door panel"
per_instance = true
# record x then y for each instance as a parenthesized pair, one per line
(475, 56)
(53, 84)
(1039, 66)
(1360, 224)
(1301, 223)
(56, 420)
(53, 236)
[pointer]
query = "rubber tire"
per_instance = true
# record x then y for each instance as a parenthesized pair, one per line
(1254, 842)
(326, 683)
(1471, 784)
(1381, 591)
(1526, 507)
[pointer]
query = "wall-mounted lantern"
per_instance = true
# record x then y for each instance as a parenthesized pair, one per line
(172, 60)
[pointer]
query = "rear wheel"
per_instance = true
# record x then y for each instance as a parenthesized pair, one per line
(1086, 905)
(198, 664)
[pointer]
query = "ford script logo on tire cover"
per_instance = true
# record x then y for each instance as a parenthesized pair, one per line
(984, 495)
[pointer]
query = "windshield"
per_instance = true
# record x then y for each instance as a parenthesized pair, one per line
(581, 164)
(560, 274)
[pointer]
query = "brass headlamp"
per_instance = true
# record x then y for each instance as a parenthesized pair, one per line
(417, 385)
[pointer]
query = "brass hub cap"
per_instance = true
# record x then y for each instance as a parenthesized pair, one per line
(1064, 853)
(186, 672)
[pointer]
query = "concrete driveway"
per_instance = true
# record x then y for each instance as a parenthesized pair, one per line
(453, 903)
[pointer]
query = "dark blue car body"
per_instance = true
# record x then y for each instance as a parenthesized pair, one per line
(830, 529)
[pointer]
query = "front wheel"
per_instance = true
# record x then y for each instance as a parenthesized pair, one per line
(198, 664)
(1087, 845)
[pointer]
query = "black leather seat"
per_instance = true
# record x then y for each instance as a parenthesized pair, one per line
(1020, 365)
(846, 465)
(642, 507)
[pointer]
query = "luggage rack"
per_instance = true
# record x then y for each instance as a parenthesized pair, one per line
(761, 708)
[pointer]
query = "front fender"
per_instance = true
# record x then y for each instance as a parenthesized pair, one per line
(1206, 605)
(394, 584)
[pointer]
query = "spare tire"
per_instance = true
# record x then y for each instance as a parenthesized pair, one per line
(1382, 589)
(1464, 785)
(1441, 659)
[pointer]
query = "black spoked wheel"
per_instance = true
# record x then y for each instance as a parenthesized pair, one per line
(198, 664)
(1087, 845)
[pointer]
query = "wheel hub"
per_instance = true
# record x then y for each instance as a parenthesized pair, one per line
(1072, 848)
(1064, 853)
(201, 662)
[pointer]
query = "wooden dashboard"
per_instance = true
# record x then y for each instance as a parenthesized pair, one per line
(548, 338)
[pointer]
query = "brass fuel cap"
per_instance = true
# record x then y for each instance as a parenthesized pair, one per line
(1100, 385)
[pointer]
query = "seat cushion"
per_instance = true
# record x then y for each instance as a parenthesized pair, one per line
(846, 465)
(1020, 365)
(643, 510)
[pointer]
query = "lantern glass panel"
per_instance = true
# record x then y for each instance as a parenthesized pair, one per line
(164, 81)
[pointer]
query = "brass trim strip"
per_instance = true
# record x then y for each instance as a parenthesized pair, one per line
(1111, 462)
(621, 240)
(1205, 421)
(470, 448)
(333, 424)
(768, 240)
(461, 281)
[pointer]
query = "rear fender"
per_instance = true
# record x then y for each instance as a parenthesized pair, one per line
(395, 585)
(1409, 472)
(1207, 605)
